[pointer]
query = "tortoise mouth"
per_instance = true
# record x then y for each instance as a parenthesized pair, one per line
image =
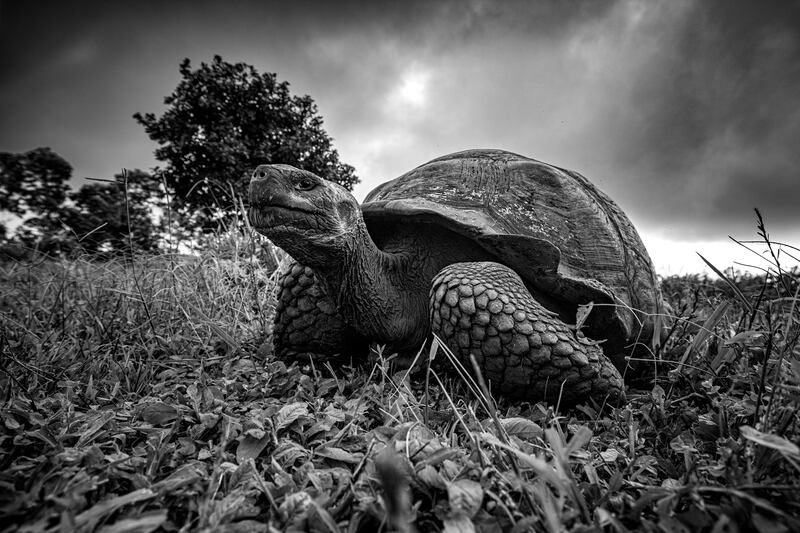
(268, 208)
(279, 217)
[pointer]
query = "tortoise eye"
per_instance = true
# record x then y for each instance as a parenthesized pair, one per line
(305, 184)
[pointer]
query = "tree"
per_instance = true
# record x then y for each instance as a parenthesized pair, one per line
(35, 182)
(97, 218)
(224, 119)
(34, 186)
(102, 216)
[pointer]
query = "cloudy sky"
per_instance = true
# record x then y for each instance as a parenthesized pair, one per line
(686, 112)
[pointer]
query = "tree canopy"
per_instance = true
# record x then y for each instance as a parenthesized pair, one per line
(34, 182)
(107, 217)
(98, 217)
(223, 119)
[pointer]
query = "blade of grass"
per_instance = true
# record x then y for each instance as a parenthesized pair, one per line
(730, 283)
(705, 331)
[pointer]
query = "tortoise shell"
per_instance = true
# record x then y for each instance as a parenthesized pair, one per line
(561, 234)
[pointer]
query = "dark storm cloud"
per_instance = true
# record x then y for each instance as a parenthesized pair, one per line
(714, 117)
(684, 111)
(688, 110)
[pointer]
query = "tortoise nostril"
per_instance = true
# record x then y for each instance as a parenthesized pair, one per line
(261, 174)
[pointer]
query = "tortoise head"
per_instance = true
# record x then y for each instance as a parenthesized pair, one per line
(309, 217)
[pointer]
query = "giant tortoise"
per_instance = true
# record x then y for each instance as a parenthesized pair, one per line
(491, 251)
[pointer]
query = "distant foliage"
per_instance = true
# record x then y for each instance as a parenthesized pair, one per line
(96, 218)
(783, 284)
(223, 119)
(105, 222)
(34, 182)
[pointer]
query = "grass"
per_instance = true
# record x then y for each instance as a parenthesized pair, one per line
(142, 396)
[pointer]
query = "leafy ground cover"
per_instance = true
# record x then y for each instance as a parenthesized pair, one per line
(141, 395)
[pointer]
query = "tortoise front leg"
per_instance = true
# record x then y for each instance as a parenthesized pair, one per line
(307, 323)
(525, 351)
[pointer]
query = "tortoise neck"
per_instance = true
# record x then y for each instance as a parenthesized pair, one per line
(366, 284)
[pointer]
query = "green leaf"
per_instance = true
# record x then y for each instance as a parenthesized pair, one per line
(770, 441)
(289, 413)
(339, 454)
(465, 497)
(106, 507)
(141, 524)
(522, 428)
(458, 523)
(251, 447)
(158, 413)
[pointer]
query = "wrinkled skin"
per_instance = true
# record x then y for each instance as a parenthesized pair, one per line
(307, 216)
(319, 223)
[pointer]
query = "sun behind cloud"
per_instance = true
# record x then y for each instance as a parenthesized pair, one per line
(413, 88)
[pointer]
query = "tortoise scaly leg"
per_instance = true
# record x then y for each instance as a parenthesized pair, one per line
(307, 323)
(526, 352)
